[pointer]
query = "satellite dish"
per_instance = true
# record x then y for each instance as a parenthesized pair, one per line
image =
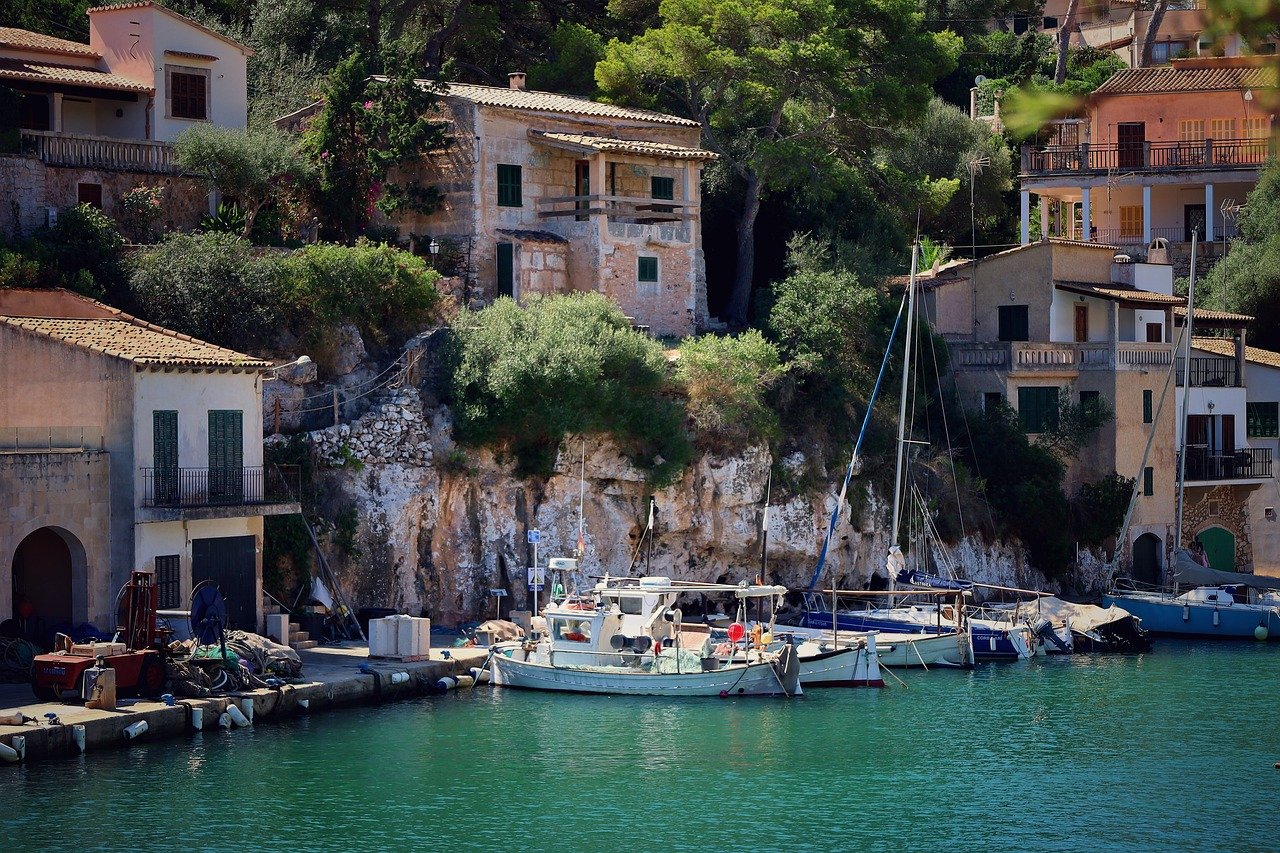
(979, 80)
(208, 614)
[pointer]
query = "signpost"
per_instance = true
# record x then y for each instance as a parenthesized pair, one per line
(498, 595)
(533, 537)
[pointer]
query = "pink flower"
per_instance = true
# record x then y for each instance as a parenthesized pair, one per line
(324, 155)
(368, 105)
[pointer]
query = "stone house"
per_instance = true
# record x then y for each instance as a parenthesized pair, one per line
(1060, 319)
(1159, 153)
(125, 446)
(549, 193)
(94, 120)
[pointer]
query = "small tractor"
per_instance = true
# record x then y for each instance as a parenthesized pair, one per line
(136, 655)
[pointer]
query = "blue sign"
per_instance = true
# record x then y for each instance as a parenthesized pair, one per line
(534, 537)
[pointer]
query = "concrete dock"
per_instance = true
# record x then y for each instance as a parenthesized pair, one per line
(331, 678)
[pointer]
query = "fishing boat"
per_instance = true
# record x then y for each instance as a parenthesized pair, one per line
(1195, 599)
(627, 637)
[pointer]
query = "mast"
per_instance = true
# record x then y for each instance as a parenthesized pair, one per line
(902, 398)
(1186, 394)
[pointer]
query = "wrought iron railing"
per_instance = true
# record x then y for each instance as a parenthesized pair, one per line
(1145, 156)
(1210, 372)
(206, 487)
(1251, 463)
(99, 152)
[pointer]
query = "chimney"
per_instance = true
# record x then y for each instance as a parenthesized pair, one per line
(516, 80)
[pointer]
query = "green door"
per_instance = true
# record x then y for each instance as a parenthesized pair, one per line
(1220, 548)
(164, 458)
(506, 269)
(226, 456)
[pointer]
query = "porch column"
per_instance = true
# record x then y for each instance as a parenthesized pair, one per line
(1209, 211)
(1044, 217)
(1146, 215)
(1026, 216)
(55, 108)
(1086, 231)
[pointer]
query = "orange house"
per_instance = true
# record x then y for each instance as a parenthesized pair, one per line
(1161, 152)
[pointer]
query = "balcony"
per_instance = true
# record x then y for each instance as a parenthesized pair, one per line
(1207, 466)
(1023, 356)
(1173, 234)
(624, 209)
(1210, 372)
(51, 439)
(99, 152)
(1087, 159)
(220, 489)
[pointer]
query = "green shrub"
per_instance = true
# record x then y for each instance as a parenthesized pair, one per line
(726, 379)
(387, 293)
(524, 377)
(211, 286)
(81, 252)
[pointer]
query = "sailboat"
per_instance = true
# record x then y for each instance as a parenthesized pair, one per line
(1217, 603)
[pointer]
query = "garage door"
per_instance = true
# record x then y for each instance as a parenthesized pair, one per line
(229, 561)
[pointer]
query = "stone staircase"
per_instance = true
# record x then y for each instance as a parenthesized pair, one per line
(298, 639)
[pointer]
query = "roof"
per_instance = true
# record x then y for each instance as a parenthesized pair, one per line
(186, 54)
(590, 142)
(1131, 295)
(26, 40)
(1173, 78)
(123, 336)
(1205, 314)
(36, 72)
(1227, 347)
(956, 264)
(552, 102)
(531, 235)
(143, 4)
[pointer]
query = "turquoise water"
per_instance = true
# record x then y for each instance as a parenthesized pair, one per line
(1172, 750)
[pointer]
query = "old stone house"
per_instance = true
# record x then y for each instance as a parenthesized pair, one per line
(550, 193)
(95, 120)
(125, 446)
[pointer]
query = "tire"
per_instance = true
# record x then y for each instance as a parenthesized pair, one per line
(151, 677)
(47, 694)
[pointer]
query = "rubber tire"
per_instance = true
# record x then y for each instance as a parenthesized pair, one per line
(151, 678)
(47, 694)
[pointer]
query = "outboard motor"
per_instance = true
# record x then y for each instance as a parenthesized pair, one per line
(1043, 629)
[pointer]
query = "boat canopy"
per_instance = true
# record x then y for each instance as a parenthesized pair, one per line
(1187, 571)
(619, 587)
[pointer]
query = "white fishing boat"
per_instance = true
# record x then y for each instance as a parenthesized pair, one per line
(894, 650)
(627, 637)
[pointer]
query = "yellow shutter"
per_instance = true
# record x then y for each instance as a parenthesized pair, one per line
(1131, 220)
(1222, 128)
(1191, 130)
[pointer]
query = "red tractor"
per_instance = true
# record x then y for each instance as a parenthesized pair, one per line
(137, 656)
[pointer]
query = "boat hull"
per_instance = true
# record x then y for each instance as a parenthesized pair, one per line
(989, 643)
(759, 679)
(839, 667)
(924, 650)
(1172, 618)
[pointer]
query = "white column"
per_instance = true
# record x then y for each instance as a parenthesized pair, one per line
(1044, 217)
(1026, 216)
(1086, 231)
(1146, 215)
(1209, 211)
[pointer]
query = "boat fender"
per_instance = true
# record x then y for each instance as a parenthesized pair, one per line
(399, 677)
(77, 737)
(1217, 618)
(465, 681)
(197, 718)
(237, 716)
(480, 674)
(224, 720)
(9, 754)
(304, 704)
(246, 708)
(1186, 613)
(447, 683)
(1260, 633)
(134, 730)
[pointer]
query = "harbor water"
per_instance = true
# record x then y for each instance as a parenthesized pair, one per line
(1172, 750)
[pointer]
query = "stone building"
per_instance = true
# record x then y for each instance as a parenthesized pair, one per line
(549, 193)
(1063, 320)
(125, 446)
(95, 120)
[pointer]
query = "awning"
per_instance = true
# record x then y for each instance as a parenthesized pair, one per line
(586, 143)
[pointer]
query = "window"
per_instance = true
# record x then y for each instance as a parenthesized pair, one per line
(1131, 220)
(510, 179)
(1089, 401)
(1147, 416)
(90, 194)
(168, 581)
(647, 269)
(188, 92)
(1050, 23)
(1191, 130)
(1262, 420)
(1222, 128)
(33, 112)
(662, 187)
(992, 400)
(1038, 409)
(1254, 128)
(1148, 481)
(1013, 323)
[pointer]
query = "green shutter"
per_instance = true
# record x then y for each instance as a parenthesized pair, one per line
(647, 269)
(1262, 420)
(1147, 415)
(664, 188)
(1013, 322)
(226, 456)
(506, 269)
(164, 453)
(509, 186)
(1038, 409)
(1148, 481)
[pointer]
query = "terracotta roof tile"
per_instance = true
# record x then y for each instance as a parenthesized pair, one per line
(17, 69)
(143, 4)
(1120, 294)
(1204, 314)
(124, 336)
(1169, 78)
(552, 102)
(588, 142)
(27, 40)
(1226, 346)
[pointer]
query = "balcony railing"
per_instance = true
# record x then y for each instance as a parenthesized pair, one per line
(99, 152)
(1210, 372)
(49, 439)
(1145, 156)
(1204, 464)
(1032, 356)
(211, 487)
(627, 209)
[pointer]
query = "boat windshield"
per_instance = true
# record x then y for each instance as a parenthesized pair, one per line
(572, 630)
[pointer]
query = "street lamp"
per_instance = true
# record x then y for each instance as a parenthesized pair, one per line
(434, 248)
(297, 362)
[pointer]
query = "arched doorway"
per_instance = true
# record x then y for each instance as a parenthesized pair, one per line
(1220, 547)
(1147, 559)
(44, 574)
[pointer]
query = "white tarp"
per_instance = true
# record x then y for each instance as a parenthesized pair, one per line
(1084, 617)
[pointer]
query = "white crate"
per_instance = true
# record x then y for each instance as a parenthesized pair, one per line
(399, 637)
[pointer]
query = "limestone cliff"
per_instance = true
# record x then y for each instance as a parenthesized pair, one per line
(439, 525)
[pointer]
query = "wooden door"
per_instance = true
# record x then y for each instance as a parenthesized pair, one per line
(231, 563)
(582, 185)
(506, 269)
(1082, 324)
(1131, 135)
(1193, 219)
(1155, 333)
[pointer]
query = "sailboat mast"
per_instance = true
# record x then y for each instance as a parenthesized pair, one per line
(902, 399)
(1186, 392)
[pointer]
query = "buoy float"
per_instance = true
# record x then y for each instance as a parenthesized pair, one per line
(137, 729)
(399, 677)
(197, 719)
(1260, 633)
(237, 716)
(466, 681)
(446, 684)
(246, 708)
(480, 674)
(9, 754)
(224, 720)
(77, 737)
